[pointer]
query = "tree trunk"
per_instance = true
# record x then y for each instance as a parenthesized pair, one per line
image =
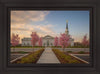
(63, 49)
(84, 48)
(13, 50)
(33, 48)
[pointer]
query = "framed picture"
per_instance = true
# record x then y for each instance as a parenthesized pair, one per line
(49, 38)
(39, 36)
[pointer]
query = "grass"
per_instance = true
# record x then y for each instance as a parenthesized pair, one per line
(71, 47)
(31, 58)
(65, 58)
(69, 51)
(21, 52)
(81, 52)
(51, 47)
(27, 47)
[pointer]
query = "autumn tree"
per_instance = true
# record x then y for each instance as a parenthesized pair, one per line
(34, 39)
(40, 41)
(56, 41)
(15, 39)
(64, 40)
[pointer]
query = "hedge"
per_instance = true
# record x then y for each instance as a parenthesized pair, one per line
(27, 47)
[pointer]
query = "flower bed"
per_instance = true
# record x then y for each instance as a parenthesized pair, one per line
(65, 58)
(31, 58)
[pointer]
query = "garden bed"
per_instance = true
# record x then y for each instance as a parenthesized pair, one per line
(31, 58)
(66, 58)
(19, 52)
(80, 52)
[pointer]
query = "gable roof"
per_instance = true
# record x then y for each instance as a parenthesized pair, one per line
(48, 36)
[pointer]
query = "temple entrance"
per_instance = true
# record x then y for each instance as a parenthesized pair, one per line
(47, 43)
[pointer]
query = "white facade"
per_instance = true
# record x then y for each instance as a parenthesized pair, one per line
(26, 42)
(47, 40)
(71, 40)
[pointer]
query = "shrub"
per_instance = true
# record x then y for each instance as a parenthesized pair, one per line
(63, 58)
(74, 61)
(81, 52)
(27, 47)
(69, 51)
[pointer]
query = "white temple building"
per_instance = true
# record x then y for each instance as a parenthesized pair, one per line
(47, 40)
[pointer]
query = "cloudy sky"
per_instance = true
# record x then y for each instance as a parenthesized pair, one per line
(50, 23)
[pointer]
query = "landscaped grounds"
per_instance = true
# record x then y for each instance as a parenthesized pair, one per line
(65, 58)
(49, 37)
(31, 58)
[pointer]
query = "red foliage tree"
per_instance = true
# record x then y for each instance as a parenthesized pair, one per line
(64, 40)
(40, 41)
(15, 39)
(56, 41)
(34, 38)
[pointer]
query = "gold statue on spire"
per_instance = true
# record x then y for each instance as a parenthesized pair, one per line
(66, 21)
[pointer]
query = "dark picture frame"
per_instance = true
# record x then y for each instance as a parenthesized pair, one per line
(7, 68)
(50, 9)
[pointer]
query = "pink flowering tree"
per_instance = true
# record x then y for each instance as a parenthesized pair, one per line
(64, 40)
(40, 41)
(15, 39)
(34, 39)
(56, 41)
(85, 41)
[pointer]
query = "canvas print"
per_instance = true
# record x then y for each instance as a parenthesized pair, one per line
(43, 37)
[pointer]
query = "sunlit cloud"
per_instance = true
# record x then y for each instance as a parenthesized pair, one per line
(20, 23)
(26, 30)
(23, 17)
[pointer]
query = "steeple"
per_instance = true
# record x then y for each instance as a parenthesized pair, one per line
(66, 24)
(66, 31)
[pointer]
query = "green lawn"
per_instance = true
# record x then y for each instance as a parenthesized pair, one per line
(51, 47)
(27, 47)
(21, 52)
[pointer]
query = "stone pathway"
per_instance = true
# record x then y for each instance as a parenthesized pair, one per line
(48, 56)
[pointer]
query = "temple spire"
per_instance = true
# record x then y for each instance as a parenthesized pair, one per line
(66, 24)
(66, 31)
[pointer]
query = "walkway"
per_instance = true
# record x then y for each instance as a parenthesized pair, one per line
(48, 56)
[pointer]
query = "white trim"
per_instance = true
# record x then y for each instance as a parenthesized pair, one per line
(18, 58)
(79, 58)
